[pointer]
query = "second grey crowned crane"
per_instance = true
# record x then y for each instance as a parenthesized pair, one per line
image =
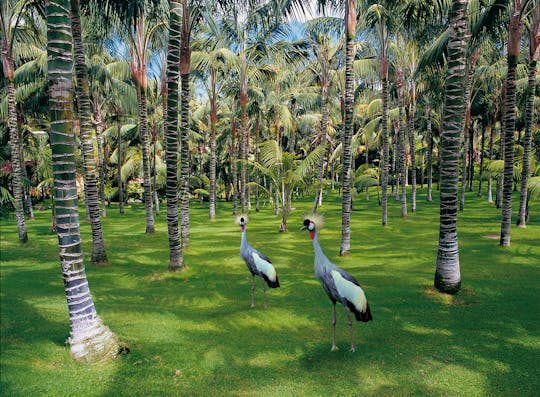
(339, 286)
(258, 264)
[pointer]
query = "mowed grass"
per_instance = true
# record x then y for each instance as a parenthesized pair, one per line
(194, 334)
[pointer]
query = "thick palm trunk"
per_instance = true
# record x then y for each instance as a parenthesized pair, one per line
(185, 60)
(350, 28)
(15, 141)
(447, 273)
(99, 254)
(385, 149)
(322, 142)
(534, 49)
(176, 260)
(430, 156)
(515, 31)
(90, 339)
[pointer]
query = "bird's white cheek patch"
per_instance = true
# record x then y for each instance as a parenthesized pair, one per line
(352, 292)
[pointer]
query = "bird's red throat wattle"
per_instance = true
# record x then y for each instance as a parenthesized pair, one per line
(312, 234)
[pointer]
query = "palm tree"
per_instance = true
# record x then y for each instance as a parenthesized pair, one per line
(346, 160)
(534, 51)
(515, 30)
(325, 53)
(171, 137)
(99, 254)
(12, 18)
(447, 273)
(90, 339)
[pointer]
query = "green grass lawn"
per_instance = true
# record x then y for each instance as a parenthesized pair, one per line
(194, 334)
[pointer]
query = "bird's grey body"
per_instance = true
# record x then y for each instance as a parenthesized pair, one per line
(259, 265)
(339, 285)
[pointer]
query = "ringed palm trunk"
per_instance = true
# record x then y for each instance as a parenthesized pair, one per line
(119, 166)
(243, 128)
(410, 129)
(322, 142)
(90, 339)
(447, 273)
(515, 31)
(176, 260)
(145, 141)
(99, 254)
(534, 49)
(385, 153)
(185, 60)
(213, 160)
(401, 141)
(346, 203)
(430, 155)
(101, 162)
(15, 140)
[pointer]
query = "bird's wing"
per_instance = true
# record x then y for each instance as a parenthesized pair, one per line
(264, 265)
(349, 290)
(329, 287)
(346, 275)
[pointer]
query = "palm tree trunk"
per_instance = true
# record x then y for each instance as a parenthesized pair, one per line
(463, 172)
(410, 128)
(185, 61)
(99, 254)
(176, 259)
(213, 160)
(90, 339)
(481, 173)
(15, 141)
(102, 172)
(257, 160)
(430, 156)
(447, 274)
(234, 164)
(350, 31)
(119, 165)
(401, 141)
(515, 31)
(385, 149)
(322, 142)
(534, 48)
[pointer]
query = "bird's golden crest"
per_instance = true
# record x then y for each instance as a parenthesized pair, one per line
(239, 218)
(317, 219)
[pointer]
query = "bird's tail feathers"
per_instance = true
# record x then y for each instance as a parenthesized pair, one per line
(271, 284)
(363, 316)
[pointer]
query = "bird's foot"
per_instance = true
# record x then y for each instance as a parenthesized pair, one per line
(334, 348)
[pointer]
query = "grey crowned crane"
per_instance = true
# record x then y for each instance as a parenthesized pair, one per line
(339, 285)
(258, 264)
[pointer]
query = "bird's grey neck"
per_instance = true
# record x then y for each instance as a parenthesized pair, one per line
(244, 239)
(321, 261)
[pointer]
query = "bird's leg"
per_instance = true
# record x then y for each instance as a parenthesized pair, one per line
(264, 294)
(334, 347)
(252, 290)
(353, 348)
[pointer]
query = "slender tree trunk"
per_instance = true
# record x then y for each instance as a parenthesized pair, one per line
(481, 173)
(90, 339)
(347, 158)
(213, 158)
(411, 145)
(401, 141)
(27, 197)
(534, 49)
(463, 172)
(176, 259)
(234, 159)
(101, 161)
(384, 138)
(15, 141)
(470, 176)
(515, 31)
(447, 273)
(430, 156)
(396, 166)
(119, 166)
(257, 160)
(242, 141)
(99, 254)
(322, 141)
